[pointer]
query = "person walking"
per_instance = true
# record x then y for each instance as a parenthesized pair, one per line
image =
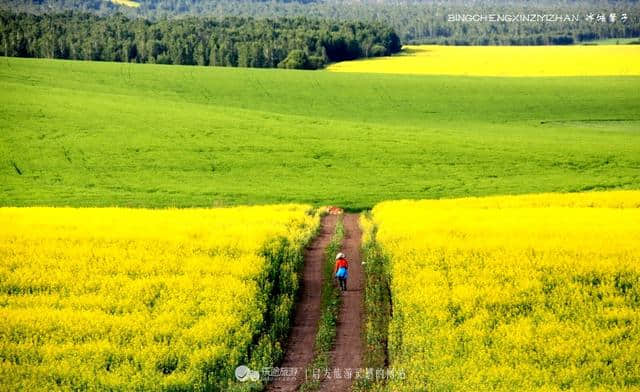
(341, 270)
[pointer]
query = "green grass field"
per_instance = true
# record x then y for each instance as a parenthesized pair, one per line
(112, 134)
(612, 41)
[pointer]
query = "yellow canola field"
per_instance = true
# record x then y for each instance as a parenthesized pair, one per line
(127, 3)
(136, 299)
(538, 292)
(572, 60)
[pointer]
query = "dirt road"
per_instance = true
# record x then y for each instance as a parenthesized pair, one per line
(347, 353)
(299, 347)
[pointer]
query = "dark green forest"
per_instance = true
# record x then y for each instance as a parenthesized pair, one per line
(288, 34)
(413, 21)
(233, 41)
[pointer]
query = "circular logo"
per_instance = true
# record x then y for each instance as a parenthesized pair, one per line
(243, 373)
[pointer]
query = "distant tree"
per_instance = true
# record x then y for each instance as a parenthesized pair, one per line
(562, 40)
(287, 42)
(297, 59)
(316, 62)
(419, 21)
(377, 50)
(213, 54)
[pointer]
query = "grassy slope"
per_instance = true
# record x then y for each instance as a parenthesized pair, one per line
(143, 135)
(611, 41)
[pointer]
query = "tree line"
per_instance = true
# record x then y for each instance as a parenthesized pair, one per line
(299, 42)
(413, 21)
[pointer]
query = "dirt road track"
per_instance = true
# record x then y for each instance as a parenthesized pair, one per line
(299, 346)
(347, 353)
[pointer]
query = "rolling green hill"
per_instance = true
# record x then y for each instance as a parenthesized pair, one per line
(116, 134)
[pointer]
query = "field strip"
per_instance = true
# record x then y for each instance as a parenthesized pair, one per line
(503, 61)
(142, 299)
(504, 293)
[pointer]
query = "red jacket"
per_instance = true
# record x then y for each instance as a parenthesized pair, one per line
(341, 263)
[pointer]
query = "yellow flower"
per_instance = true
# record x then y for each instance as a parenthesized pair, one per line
(133, 298)
(514, 292)
(576, 60)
